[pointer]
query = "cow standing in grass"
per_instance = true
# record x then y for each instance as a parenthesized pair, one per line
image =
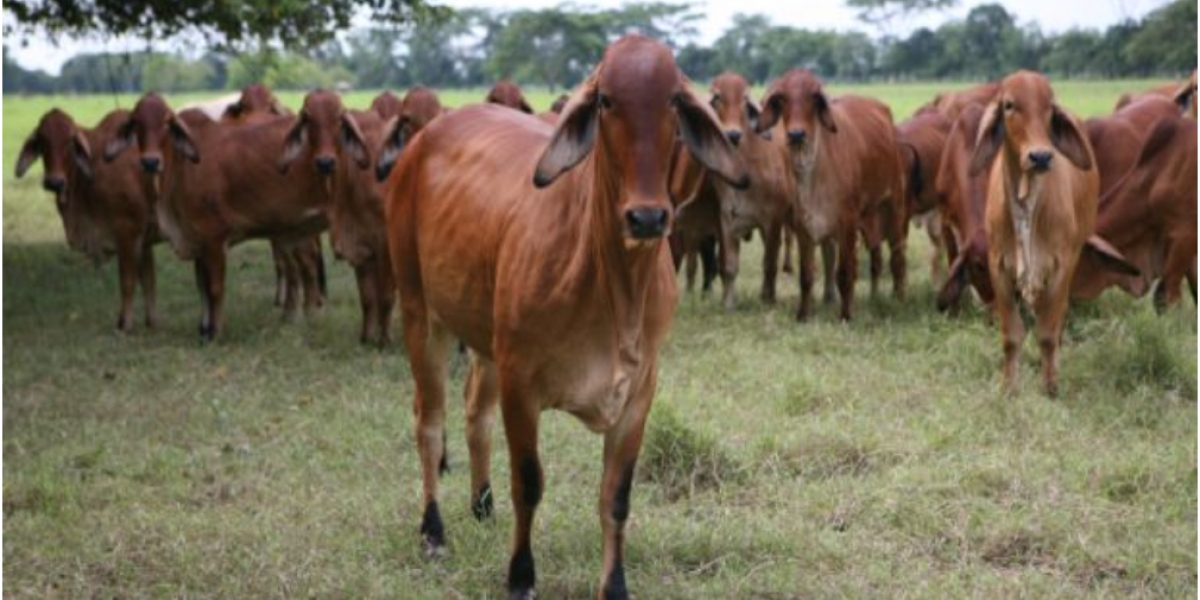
(543, 250)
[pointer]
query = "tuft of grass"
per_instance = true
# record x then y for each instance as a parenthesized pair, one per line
(681, 460)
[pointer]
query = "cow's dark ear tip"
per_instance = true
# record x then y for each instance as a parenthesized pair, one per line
(541, 180)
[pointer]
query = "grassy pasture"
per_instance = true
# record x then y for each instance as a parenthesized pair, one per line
(874, 459)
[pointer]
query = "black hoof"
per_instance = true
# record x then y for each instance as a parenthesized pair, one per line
(482, 506)
(433, 534)
(528, 594)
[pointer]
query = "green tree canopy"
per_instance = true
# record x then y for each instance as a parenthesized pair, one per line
(293, 23)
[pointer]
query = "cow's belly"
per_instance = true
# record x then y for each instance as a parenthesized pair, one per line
(595, 390)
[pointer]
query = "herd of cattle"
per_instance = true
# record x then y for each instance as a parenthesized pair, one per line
(540, 241)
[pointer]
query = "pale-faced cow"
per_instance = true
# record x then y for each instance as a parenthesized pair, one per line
(553, 270)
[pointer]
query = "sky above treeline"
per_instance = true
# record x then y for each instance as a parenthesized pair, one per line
(1053, 16)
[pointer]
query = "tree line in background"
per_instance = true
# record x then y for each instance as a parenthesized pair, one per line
(555, 48)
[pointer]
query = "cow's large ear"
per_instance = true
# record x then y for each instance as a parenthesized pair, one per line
(703, 137)
(81, 153)
(988, 140)
(182, 138)
(294, 141)
(1110, 257)
(752, 114)
(772, 106)
(234, 110)
(123, 139)
(572, 139)
(352, 140)
(29, 153)
(1068, 139)
(824, 113)
(1184, 95)
(395, 135)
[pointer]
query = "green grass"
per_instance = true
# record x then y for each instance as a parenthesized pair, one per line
(875, 459)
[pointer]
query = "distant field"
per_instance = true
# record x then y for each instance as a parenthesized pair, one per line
(874, 459)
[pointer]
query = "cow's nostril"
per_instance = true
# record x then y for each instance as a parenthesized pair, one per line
(53, 183)
(735, 136)
(796, 136)
(325, 164)
(646, 222)
(150, 164)
(1040, 159)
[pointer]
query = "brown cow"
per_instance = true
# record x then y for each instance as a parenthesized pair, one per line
(849, 175)
(951, 104)
(1040, 212)
(964, 198)
(244, 188)
(357, 227)
(922, 139)
(105, 207)
(697, 227)
(1150, 217)
(764, 206)
(553, 270)
(299, 263)
(387, 105)
(1182, 94)
(507, 93)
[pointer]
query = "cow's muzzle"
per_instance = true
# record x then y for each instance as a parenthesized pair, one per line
(151, 164)
(325, 164)
(796, 137)
(646, 222)
(54, 183)
(734, 136)
(1039, 160)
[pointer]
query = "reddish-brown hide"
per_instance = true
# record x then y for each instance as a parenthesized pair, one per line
(106, 208)
(553, 270)
(849, 175)
(299, 262)
(1041, 208)
(922, 139)
(1149, 216)
(964, 197)
(507, 93)
(765, 205)
(221, 185)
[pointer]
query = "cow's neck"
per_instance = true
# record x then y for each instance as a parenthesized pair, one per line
(618, 274)
(1023, 192)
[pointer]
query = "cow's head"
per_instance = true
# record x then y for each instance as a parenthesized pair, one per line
(256, 100)
(798, 100)
(387, 105)
(737, 113)
(1029, 126)
(507, 93)
(419, 107)
(627, 115)
(150, 124)
(60, 144)
(325, 129)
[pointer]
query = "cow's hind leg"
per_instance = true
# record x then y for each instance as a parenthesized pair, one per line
(1180, 263)
(365, 277)
(428, 350)
(520, 415)
(482, 396)
(847, 269)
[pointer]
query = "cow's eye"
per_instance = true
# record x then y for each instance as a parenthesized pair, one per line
(1009, 106)
(604, 101)
(716, 101)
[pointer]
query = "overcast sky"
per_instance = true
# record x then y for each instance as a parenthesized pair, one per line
(1052, 15)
